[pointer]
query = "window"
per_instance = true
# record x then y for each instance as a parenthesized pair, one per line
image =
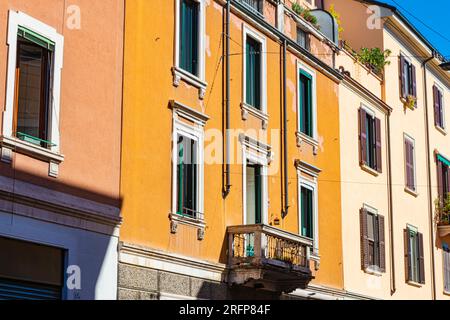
(187, 164)
(307, 212)
(254, 193)
(370, 140)
(303, 39)
(256, 5)
(189, 55)
(438, 103)
(306, 104)
(414, 259)
(372, 240)
(187, 177)
(189, 35)
(410, 167)
(443, 177)
(33, 86)
(408, 85)
(446, 265)
(253, 73)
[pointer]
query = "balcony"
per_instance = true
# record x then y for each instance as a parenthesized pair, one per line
(268, 258)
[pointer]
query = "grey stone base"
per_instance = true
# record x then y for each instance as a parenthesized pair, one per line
(138, 283)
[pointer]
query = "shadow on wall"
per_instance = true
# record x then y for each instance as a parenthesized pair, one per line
(50, 216)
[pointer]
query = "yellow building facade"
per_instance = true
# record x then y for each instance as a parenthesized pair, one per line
(197, 231)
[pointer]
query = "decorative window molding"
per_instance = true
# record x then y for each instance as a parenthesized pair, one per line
(302, 68)
(247, 32)
(8, 140)
(178, 73)
(258, 153)
(188, 123)
(307, 177)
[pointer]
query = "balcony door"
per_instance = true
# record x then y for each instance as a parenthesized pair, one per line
(253, 193)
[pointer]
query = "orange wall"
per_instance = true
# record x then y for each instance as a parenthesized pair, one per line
(91, 96)
(146, 157)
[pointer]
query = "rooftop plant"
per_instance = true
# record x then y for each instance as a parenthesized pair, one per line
(374, 58)
(305, 14)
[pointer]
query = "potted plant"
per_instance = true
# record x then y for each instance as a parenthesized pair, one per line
(411, 101)
(374, 59)
(305, 14)
(443, 210)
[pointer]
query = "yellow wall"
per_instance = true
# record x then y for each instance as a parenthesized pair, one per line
(147, 128)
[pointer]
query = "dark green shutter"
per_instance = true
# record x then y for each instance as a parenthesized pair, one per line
(189, 33)
(306, 112)
(307, 213)
(253, 73)
(258, 194)
(36, 38)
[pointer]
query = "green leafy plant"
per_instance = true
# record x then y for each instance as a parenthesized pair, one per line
(336, 17)
(374, 58)
(443, 210)
(305, 14)
(411, 101)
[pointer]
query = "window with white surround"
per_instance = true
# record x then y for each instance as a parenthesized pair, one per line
(187, 164)
(438, 107)
(254, 75)
(308, 219)
(189, 57)
(255, 161)
(35, 60)
(307, 102)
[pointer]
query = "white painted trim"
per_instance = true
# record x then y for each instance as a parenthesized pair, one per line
(17, 19)
(178, 73)
(195, 133)
(312, 185)
(262, 157)
(302, 67)
(247, 31)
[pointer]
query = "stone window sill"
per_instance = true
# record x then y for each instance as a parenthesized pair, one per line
(176, 219)
(373, 271)
(250, 110)
(369, 170)
(441, 130)
(180, 74)
(411, 192)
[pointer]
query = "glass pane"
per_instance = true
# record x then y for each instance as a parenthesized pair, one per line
(253, 73)
(370, 226)
(307, 213)
(187, 177)
(254, 194)
(31, 110)
(189, 29)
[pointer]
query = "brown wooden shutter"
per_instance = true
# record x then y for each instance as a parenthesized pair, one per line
(437, 114)
(403, 77)
(364, 239)
(408, 270)
(421, 259)
(378, 144)
(362, 137)
(440, 181)
(409, 165)
(413, 82)
(381, 243)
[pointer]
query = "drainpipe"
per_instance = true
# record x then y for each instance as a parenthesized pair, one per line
(391, 217)
(285, 141)
(227, 187)
(430, 206)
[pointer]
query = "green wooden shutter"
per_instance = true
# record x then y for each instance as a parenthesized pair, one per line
(189, 36)
(306, 110)
(253, 73)
(36, 38)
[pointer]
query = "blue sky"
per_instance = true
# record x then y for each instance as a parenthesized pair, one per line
(426, 15)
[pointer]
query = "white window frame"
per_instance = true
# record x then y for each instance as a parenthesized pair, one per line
(255, 157)
(179, 74)
(442, 91)
(411, 139)
(17, 19)
(196, 133)
(313, 74)
(247, 32)
(312, 185)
